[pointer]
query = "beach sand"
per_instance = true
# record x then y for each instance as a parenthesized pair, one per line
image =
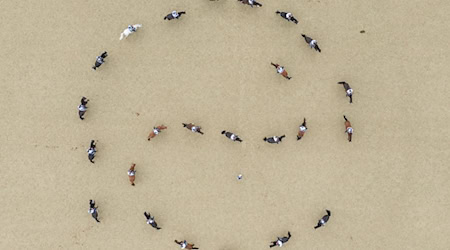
(387, 189)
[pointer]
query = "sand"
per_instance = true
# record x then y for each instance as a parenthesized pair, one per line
(387, 189)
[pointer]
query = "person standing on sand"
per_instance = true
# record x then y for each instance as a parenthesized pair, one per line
(251, 3)
(302, 130)
(231, 136)
(151, 221)
(184, 245)
(132, 174)
(82, 107)
(93, 210)
(324, 220)
(193, 128)
(348, 129)
(91, 151)
(274, 139)
(281, 70)
(312, 43)
(280, 241)
(287, 15)
(174, 15)
(156, 131)
(100, 60)
(348, 90)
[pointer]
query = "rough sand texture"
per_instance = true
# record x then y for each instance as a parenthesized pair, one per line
(388, 189)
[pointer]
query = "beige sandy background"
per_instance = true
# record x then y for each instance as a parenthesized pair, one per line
(388, 189)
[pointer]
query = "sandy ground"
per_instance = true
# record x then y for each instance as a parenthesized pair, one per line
(388, 189)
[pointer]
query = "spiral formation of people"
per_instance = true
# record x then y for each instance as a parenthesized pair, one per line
(218, 124)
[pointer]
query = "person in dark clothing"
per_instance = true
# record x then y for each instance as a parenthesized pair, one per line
(82, 107)
(287, 15)
(280, 241)
(324, 220)
(151, 221)
(174, 15)
(312, 43)
(348, 90)
(231, 136)
(100, 60)
(91, 151)
(274, 139)
(93, 210)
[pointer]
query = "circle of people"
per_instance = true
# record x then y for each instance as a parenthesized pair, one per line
(82, 108)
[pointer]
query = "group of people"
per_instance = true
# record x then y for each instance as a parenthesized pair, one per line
(93, 210)
(197, 129)
(82, 108)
